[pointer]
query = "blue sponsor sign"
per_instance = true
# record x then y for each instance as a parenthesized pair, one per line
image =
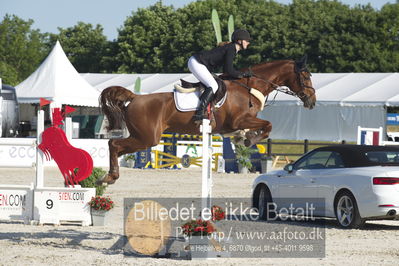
(392, 119)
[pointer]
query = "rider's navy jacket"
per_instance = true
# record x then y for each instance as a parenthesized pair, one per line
(220, 56)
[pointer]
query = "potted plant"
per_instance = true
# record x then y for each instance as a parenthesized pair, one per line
(99, 207)
(217, 213)
(91, 181)
(243, 155)
(197, 227)
(130, 160)
(200, 242)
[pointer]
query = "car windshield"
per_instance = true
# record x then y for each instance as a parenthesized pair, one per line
(320, 160)
(383, 157)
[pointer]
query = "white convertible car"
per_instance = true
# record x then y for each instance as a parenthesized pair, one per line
(352, 183)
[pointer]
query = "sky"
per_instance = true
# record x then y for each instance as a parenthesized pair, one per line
(48, 15)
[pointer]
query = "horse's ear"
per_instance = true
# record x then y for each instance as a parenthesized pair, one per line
(301, 64)
(304, 59)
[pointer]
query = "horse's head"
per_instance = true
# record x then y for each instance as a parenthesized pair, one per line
(301, 84)
(286, 73)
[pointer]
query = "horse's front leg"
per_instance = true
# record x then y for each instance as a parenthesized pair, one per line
(258, 129)
(119, 147)
(113, 173)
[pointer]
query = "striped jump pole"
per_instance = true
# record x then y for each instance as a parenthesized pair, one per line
(39, 181)
(207, 182)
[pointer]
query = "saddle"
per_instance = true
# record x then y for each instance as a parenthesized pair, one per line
(191, 87)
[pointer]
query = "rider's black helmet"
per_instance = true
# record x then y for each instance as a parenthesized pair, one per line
(240, 35)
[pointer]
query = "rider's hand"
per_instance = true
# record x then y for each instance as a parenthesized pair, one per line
(247, 74)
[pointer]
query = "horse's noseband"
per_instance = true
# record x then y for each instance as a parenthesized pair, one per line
(301, 80)
(301, 95)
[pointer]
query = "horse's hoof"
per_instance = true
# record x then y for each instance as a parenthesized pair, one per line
(100, 182)
(105, 180)
(247, 143)
(237, 140)
(110, 182)
(103, 184)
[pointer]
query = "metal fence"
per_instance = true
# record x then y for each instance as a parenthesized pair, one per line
(306, 144)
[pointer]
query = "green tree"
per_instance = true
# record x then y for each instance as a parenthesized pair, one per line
(354, 46)
(144, 40)
(21, 49)
(109, 62)
(85, 46)
(388, 24)
(336, 37)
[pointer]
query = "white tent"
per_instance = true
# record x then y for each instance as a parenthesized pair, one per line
(57, 80)
(150, 83)
(344, 101)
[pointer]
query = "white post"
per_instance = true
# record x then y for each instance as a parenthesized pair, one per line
(68, 128)
(39, 154)
(206, 194)
(1, 108)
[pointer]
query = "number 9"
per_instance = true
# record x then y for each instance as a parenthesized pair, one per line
(49, 204)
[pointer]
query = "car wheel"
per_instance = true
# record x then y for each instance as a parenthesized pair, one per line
(347, 212)
(264, 200)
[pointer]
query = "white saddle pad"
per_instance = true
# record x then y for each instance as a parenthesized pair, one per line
(189, 101)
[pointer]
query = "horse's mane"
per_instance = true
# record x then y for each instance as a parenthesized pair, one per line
(299, 65)
(271, 64)
(274, 62)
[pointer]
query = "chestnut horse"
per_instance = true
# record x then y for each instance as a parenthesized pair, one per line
(148, 116)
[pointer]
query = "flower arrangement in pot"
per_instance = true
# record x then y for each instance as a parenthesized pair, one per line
(201, 236)
(217, 213)
(198, 227)
(99, 203)
(99, 207)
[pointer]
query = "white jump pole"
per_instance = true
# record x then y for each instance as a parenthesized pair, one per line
(68, 128)
(1, 108)
(207, 184)
(39, 182)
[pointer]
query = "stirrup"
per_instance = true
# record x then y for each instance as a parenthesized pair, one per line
(205, 99)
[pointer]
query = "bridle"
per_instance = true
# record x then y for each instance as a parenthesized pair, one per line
(301, 78)
(276, 87)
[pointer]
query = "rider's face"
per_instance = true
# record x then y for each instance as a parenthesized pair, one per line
(245, 44)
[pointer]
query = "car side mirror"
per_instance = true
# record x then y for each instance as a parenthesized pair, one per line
(289, 168)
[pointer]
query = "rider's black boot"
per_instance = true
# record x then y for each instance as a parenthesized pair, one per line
(205, 98)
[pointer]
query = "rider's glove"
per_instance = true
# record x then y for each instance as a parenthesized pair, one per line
(247, 74)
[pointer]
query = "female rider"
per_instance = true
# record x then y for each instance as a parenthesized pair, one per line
(201, 64)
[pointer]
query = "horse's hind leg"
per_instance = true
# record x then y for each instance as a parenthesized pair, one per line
(119, 147)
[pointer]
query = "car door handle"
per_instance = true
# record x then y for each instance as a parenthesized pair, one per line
(312, 180)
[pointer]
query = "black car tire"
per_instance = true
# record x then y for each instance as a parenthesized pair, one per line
(264, 200)
(347, 212)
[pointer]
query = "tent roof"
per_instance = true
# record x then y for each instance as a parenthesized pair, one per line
(150, 83)
(57, 80)
(355, 88)
(331, 88)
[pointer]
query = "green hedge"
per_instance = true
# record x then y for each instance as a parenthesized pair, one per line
(91, 181)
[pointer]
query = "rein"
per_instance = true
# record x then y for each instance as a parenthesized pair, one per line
(276, 87)
(301, 80)
(279, 88)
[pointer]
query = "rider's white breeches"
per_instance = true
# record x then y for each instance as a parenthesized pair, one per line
(202, 74)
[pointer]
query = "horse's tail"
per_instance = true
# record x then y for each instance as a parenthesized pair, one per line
(113, 101)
